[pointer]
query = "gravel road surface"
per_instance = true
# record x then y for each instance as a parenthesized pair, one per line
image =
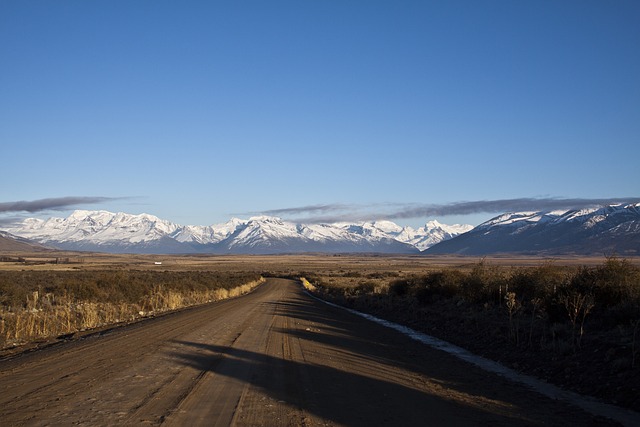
(275, 357)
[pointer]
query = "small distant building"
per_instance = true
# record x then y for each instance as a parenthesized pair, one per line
(158, 263)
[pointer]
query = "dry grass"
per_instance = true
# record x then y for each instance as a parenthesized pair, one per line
(307, 285)
(59, 311)
(45, 313)
(454, 306)
(280, 264)
(563, 292)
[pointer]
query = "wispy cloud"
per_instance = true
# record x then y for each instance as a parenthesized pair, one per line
(341, 212)
(505, 205)
(332, 212)
(57, 203)
(311, 209)
(9, 221)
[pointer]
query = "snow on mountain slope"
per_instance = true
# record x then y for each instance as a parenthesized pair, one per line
(424, 237)
(262, 231)
(206, 235)
(96, 227)
(273, 235)
(600, 230)
(434, 232)
(121, 232)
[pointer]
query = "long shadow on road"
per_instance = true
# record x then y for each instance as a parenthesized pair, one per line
(356, 374)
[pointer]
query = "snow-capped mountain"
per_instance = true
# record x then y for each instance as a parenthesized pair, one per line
(119, 232)
(102, 231)
(434, 232)
(602, 230)
(422, 238)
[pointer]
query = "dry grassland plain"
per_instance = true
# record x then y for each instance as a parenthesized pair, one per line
(604, 364)
(280, 264)
(24, 310)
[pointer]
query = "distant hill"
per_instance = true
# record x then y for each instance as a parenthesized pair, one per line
(104, 231)
(605, 230)
(11, 243)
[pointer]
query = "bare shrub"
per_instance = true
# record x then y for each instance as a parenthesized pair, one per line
(513, 307)
(540, 282)
(437, 285)
(536, 304)
(577, 306)
(483, 284)
(400, 287)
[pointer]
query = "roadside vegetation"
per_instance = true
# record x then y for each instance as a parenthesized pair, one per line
(575, 326)
(42, 304)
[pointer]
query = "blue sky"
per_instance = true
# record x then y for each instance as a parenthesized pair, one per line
(199, 111)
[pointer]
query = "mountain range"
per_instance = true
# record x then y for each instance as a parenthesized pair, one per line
(124, 233)
(605, 230)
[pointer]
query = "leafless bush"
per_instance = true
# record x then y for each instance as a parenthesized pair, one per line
(578, 306)
(513, 307)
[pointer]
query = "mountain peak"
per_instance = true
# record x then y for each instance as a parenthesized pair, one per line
(266, 218)
(121, 232)
(81, 214)
(586, 231)
(433, 224)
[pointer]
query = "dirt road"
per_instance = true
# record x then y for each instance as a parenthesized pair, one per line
(275, 357)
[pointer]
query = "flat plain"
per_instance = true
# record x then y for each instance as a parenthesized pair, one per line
(273, 357)
(280, 264)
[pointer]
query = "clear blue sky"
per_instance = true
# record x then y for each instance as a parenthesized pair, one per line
(196, 111)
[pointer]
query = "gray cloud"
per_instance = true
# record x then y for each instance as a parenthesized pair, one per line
(311, 209)
(332, 212)
(57, 203)
(505, 205)
(9, 221)
(340, 212)
(346, 217)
